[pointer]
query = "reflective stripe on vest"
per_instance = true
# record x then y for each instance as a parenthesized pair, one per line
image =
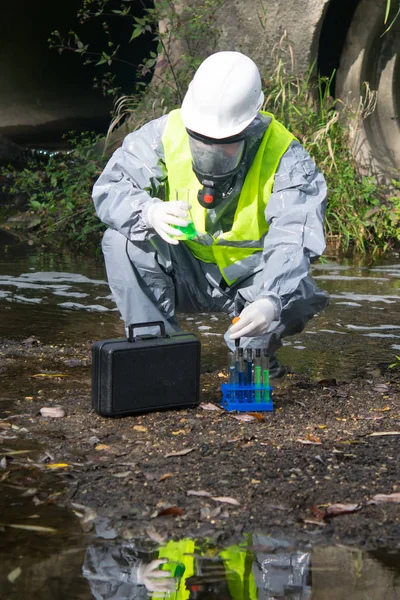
(232, 251)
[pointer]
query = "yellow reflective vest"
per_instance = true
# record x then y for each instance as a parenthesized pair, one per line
(234, 251)
(238, 561)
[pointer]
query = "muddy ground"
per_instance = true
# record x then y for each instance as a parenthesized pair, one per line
(284, 471)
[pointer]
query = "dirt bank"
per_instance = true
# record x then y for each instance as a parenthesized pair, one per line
(277, 472)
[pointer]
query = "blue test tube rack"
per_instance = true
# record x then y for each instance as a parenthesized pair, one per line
(247, 392)
(247, 398)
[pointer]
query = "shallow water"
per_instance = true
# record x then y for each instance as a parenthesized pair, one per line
(55, 296)
(62, 299)
(66, 565)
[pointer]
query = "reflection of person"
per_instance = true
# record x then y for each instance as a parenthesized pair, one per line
(263, 569)
(256, 198)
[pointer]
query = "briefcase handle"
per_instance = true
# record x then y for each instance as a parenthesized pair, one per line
(133, 326)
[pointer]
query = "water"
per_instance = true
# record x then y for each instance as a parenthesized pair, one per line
(62, 299)
(55, 566)
(55, 296)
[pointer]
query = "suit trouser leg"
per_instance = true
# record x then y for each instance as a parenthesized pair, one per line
(149, 282)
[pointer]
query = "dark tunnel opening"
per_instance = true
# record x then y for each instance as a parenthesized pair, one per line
(333, 35)
(44, 94)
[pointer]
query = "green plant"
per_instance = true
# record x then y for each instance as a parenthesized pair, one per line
(58, 193)
(395, 364)
(387, 14)
(182, 37)
(361, 213)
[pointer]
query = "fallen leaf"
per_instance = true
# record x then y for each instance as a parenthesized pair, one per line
(321, 426)
(13, 575)
(102, 447)
(180, 452)
(29, 492)
(222, 376)
(50, 375)
(122, 475)
(341, 509)
(28, 398)
(31, 341)
(166, 476)
(57, 465)
(179, 432)
(327, 382)
(155, 536)
(305, 442)
(245, 417)
(15, 452)
(383, 498)
(5, 425)
(3, 463)
(210, 406)
(141, 428)
(199, 493)
(173, 511)
(226, 499)
(38, 528)
(257, 415)
(313, 438)
(381, 387)
(314, 522)
(53, 412)
(384, 409)
(376, 433)
(317, 512)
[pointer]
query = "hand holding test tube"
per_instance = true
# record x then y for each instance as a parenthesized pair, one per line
(188, 232)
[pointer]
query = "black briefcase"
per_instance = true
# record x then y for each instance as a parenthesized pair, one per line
(145, 373)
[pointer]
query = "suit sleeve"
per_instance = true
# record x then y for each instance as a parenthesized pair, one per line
(131, 181)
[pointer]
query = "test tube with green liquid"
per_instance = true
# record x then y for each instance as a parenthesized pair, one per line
(189, 231)
(257, 374)
(265, 373)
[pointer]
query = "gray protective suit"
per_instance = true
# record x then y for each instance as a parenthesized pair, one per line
(151, 280)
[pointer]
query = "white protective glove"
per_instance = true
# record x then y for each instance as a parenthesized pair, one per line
(254, 320)
(161, 215)
(154, 579)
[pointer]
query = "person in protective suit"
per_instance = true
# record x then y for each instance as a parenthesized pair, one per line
(256, 198)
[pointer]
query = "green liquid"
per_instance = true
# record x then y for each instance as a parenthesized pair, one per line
(257, 381)
(188, 232)
(266, 384)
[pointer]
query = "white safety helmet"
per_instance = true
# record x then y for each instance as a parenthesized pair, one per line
(224, 96)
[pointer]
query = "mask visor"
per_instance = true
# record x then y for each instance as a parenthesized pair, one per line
(210, 158)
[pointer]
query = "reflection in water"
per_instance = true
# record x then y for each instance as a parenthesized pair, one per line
(45, 567)
(261, 568)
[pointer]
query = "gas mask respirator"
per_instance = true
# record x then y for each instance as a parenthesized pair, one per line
(215, 164)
